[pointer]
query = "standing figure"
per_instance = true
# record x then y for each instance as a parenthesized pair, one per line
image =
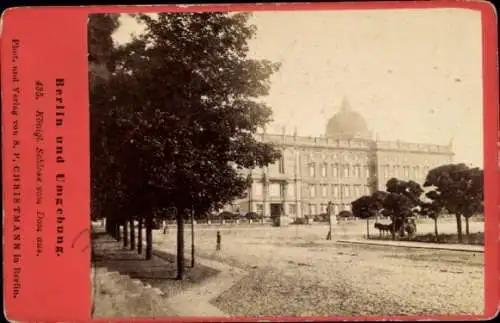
(218, 241)
(329, 211)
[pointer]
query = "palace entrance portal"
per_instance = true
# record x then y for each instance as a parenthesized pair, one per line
(275, 210)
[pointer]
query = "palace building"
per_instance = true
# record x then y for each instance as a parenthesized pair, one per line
(341, 166)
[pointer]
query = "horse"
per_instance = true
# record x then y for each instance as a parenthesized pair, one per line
(383, 228)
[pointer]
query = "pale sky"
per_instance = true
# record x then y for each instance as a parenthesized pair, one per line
(414, 75)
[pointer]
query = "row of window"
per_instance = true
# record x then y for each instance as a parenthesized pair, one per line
(314, 190)
(358, 171)
(406, 171)
(274, 190)
(312, 209)
(342, 157)
(337, 170)
(403, 159)
(336, 190)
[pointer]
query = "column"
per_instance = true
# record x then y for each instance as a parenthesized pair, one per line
(285, 188)
(298, 212)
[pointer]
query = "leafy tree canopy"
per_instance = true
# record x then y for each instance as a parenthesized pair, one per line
(457, 187)
(402, 199)
(369, 205)
(182, 107)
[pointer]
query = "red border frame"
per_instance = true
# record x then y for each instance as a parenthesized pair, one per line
(53, 45)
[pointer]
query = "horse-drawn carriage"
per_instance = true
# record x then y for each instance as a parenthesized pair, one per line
(407, 226)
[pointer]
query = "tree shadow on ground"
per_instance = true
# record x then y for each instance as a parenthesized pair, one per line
(160, 271)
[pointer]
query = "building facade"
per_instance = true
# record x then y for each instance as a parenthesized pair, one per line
(340, 167)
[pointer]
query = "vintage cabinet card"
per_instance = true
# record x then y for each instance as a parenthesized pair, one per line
(299, 162)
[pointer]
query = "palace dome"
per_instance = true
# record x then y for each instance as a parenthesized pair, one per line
(347, 124)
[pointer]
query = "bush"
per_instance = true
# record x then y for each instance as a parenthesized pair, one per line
(474, 238)
(228, 216)
(299, 221)
(345, 215)
(323, 217)
(253, 216)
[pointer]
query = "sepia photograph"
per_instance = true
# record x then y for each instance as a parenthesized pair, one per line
(287, 163)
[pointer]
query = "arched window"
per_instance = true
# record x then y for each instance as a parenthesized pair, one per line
(312, 169)
(356, 171)
(324, 190)
(335, 170)
(323, 169)
(346, 171)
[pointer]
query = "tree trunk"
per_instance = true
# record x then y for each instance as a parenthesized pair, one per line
(108, 226)
(393, 228)
(132, 233)
(436, 229)
(330, 224)
(459, 227)
(112, 228)
(192, 238)
(149, 236)
(139, 235)
(117, 230)
(367, 228)
(402, 227)
(125, 233)
(467, 226)
(180, 245)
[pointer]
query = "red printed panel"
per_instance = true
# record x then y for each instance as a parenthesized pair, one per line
(46, 165)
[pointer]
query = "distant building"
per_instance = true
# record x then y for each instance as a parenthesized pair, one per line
(340, 167)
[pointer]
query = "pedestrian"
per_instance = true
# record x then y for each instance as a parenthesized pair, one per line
(165, 228)
(218, 241)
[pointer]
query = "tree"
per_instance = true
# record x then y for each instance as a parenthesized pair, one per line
(432, 210)
(459, 189)
(368, 206)
(101, 47)
(401, 202)
(185, 97)
(105, 193)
